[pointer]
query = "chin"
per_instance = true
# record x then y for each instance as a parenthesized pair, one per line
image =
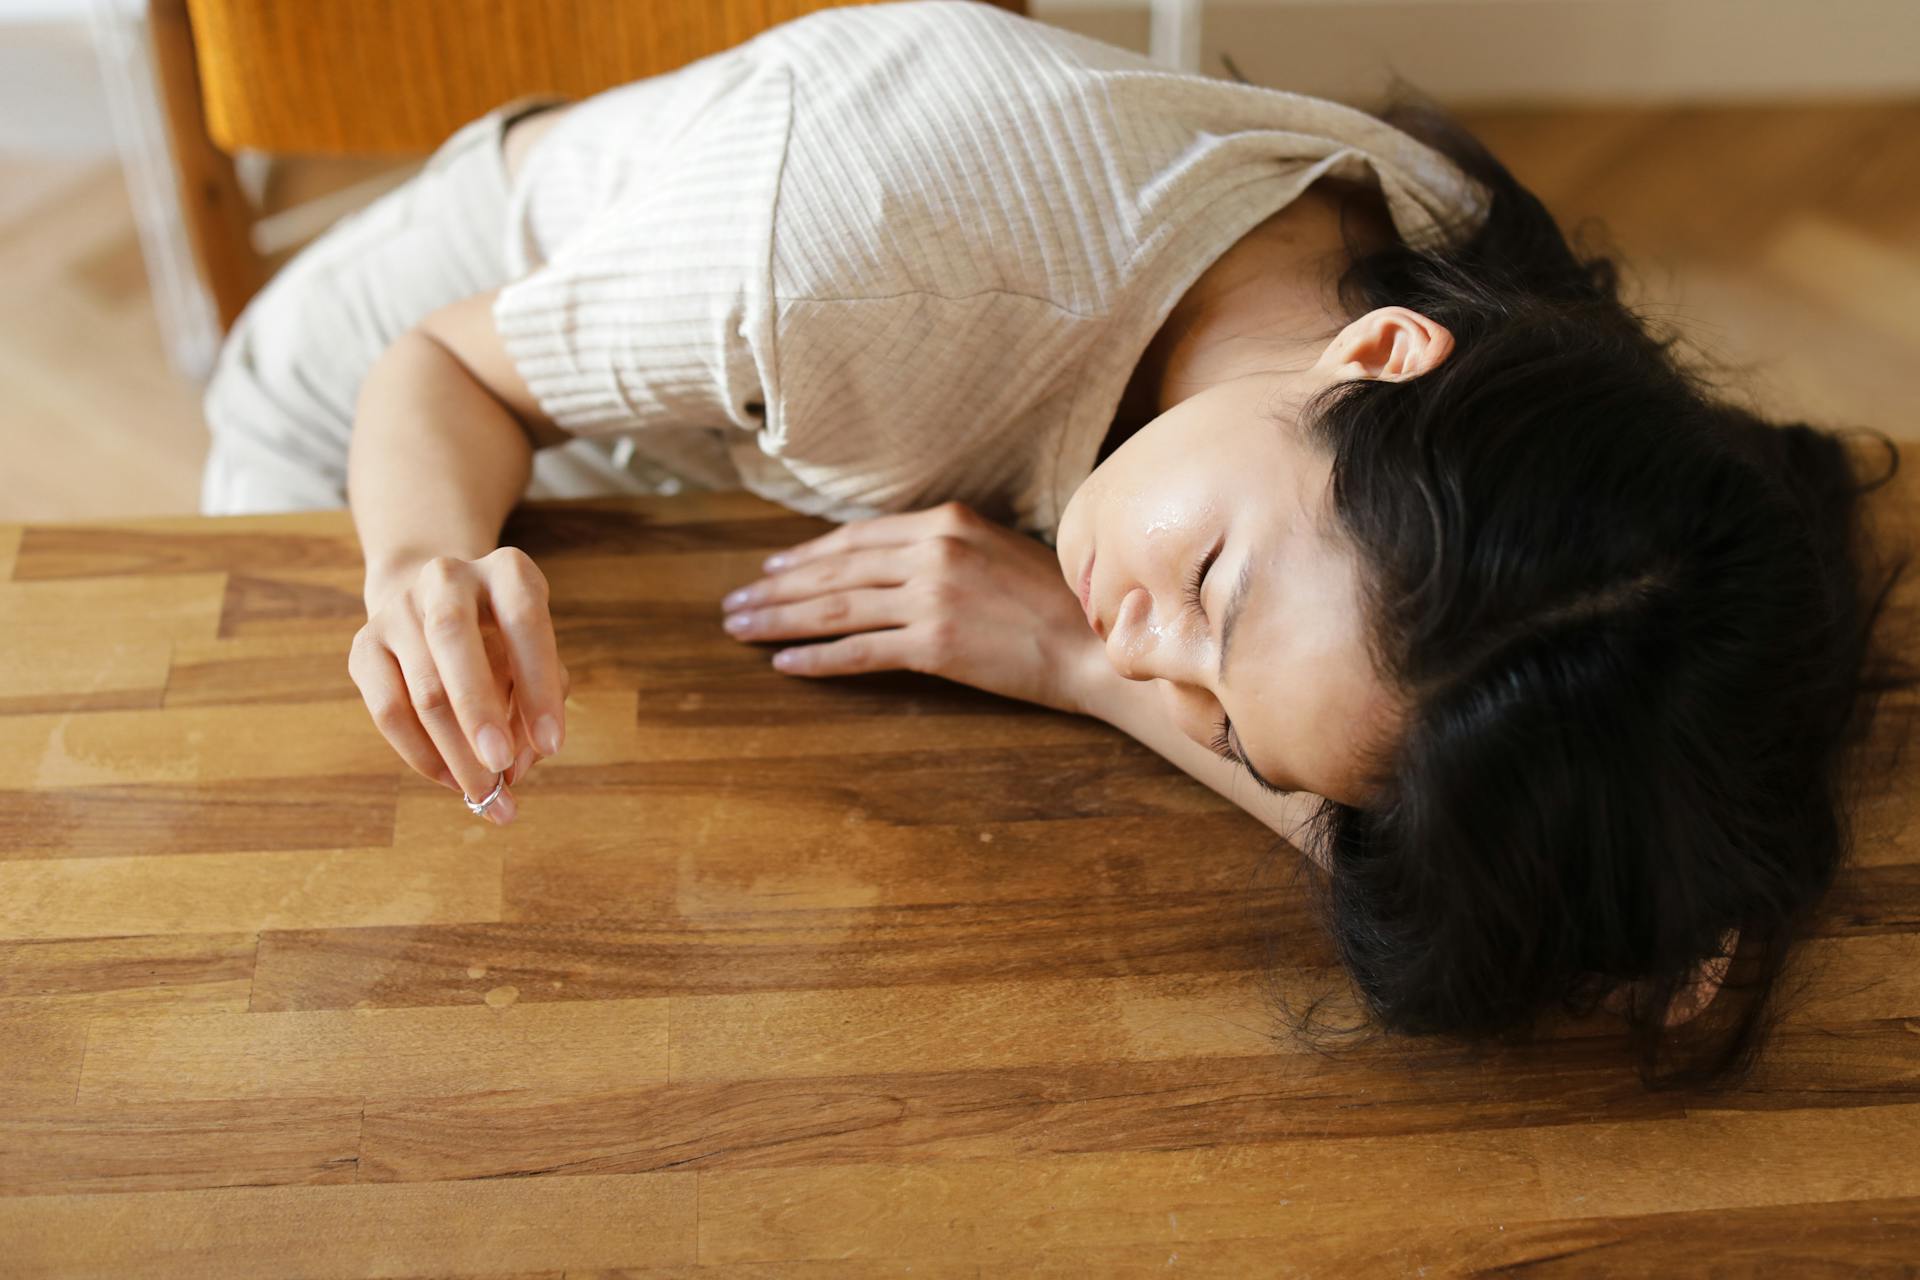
(1068, 547)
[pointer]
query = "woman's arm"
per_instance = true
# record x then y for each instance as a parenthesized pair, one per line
(1135, 708)
(443, 440)
(457, 662)
(949, 592)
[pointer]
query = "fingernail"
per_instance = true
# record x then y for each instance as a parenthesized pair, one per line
(495, 750)
(503, 810)
(738, 622)
(734, 599)
(521, 763)
(546, 732)
(776, 561)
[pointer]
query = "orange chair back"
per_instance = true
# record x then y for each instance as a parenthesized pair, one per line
(337, 77)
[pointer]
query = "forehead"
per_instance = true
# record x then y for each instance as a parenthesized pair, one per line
(1302, 675)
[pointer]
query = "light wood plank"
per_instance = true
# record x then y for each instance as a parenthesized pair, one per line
(461, 1228)
(495, 1043)
(185, 972)
(96, 1148)
(222, 892)
(997, 1211)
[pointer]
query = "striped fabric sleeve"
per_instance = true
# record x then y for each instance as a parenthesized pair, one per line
(657, 311)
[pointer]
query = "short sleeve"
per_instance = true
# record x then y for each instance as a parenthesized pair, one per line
(657, 310)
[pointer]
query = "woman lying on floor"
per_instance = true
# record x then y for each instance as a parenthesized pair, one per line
(1294, 441)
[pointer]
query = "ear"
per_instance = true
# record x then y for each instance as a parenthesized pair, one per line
(1699, 992)
(1388, 343)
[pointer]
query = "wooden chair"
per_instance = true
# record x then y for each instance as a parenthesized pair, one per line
(392, 77)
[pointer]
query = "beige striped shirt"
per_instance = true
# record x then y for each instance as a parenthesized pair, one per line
(883, 256)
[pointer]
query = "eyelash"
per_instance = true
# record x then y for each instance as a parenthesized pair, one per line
(1223, 748)
(1221, 744)
(1200, 577)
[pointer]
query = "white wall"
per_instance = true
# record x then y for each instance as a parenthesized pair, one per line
(43, 10)
(1497, 51)
(1486, 52)
(51, 98)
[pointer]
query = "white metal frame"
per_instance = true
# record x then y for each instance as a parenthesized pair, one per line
(189, 325)
(1174, 34)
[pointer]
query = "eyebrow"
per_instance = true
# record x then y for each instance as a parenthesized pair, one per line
(1234, 603)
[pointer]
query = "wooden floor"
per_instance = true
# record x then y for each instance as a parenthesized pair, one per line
(778, 977)
(782, 978)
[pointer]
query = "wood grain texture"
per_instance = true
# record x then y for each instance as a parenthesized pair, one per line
(868, 976)
(877, 976)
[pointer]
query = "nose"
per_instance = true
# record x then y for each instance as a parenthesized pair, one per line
(1171, 651)
(1151, 642)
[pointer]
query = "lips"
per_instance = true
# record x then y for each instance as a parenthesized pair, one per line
(1086, 594)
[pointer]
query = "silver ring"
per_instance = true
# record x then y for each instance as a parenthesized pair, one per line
(480, 809)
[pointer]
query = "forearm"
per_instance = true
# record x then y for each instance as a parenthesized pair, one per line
(1136, 708)
(435, 462)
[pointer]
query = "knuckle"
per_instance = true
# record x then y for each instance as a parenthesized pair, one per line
(389, 710)
(439, 572)
(835, 609)
(943, 595)
(428, 697)
(516, 612)
(521, 572)
(443, 618)
(947, 551)
(957, 514)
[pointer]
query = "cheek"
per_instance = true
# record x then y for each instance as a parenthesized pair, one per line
(1339, 727)
(1310, 718)
(1193, 711)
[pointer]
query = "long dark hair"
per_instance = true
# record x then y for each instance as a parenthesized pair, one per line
(1633, 625)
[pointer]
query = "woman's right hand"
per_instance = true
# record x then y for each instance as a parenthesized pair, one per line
(458, 664)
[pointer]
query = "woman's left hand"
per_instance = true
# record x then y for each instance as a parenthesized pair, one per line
(944, 591)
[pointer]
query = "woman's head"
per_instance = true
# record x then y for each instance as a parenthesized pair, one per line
(1601, 642)
(1215, 571)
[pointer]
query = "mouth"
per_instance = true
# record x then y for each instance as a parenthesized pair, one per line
(1086, 595)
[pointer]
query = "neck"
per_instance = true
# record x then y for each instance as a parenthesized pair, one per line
(1248, 312)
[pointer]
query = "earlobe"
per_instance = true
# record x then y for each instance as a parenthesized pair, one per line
(1692, 999)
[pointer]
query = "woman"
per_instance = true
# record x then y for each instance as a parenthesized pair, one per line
(1350, 480)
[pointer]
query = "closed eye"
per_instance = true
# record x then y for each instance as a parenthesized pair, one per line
(1199, 577)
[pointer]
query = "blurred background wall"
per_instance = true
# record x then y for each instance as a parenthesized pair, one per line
(1757, 163)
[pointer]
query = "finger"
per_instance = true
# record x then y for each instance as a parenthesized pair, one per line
(448, 597)
(384, 688)
(517, 594)
(430, 698)
(522, 765)
(888, 566)
(527, 752)
(836, 613)
(869, 651)
(880, 531)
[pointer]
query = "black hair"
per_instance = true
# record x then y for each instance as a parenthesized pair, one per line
(1632, 626)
